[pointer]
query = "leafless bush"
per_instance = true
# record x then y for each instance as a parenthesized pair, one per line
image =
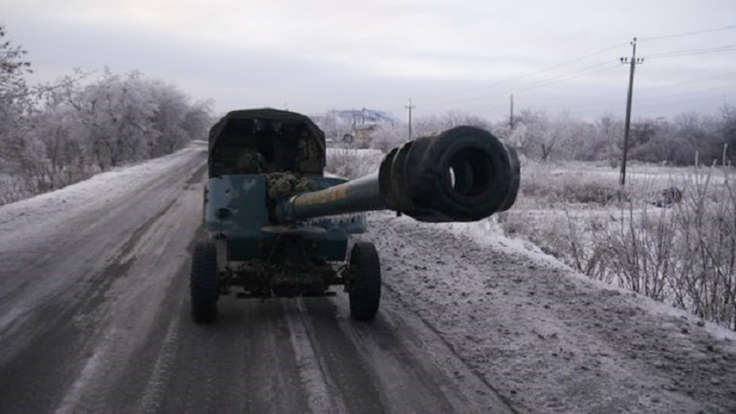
(638, 251)
(580, 251)
(681, 252)
(685, 255)
(706, 220)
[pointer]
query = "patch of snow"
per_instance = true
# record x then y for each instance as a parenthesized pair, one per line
(488, 232)
(356, 152)
(310, 365)
(547, 338)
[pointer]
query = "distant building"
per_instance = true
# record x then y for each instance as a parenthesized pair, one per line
(353, 128)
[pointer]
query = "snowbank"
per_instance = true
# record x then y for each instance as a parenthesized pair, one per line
(546, 337)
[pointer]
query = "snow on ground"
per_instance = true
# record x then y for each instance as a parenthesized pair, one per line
(547, 338)
(33, 215)
(360, 152)
(489, 233)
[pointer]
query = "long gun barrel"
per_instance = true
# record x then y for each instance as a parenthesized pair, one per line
(463, 174)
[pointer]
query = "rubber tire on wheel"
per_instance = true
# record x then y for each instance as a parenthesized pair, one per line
(203, 283)
(365, 283)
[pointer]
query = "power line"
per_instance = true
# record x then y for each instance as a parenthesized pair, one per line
(694, 52)
(586, 70)
(605, 66)
(696, 80)
(482, 93)
(653, 100)
(537, 84)
(493, 85)
(685, 34)
(646, 101)
(684, 99)
(598, 67)
(730, 50)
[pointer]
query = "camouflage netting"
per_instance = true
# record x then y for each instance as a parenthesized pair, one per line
(281, 185)
(265, 141)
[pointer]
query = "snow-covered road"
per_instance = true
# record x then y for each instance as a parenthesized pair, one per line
(94, 317)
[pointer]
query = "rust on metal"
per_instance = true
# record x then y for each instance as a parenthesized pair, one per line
(321, 197)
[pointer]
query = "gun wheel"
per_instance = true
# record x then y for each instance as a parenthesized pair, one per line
(203, 283)
(364, 287)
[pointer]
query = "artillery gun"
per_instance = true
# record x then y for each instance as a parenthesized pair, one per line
(277, 226)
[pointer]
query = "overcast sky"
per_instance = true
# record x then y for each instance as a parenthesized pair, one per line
(469, 56)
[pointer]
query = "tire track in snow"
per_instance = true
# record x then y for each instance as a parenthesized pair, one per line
(321, 392)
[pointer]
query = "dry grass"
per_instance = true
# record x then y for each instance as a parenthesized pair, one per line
(684, 254)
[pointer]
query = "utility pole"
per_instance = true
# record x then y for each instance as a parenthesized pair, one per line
(632, 62)
(410, 107)
(355, 123)
(511, 112)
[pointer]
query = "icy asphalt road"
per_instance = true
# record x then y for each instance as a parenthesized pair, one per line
(94, 317)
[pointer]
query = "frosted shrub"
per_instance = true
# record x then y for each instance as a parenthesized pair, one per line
(352, 163)
(685, 254)
(83, 126)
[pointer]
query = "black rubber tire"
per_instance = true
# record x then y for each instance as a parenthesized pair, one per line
(415, 179)
(203, 283)
(364, 287)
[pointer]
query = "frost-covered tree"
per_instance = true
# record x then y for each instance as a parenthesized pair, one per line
(117, 114)
(434, 124)
(16, 99)
(77, 128)
(679, 140)
(538, 136)
(609, 131)
(128, 117)
(13, 68)
(170, 108)
(389, 136)
(198, 119)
